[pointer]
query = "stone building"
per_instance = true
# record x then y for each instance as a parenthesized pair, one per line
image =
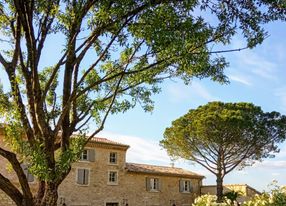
(102, 177)
(246, 192)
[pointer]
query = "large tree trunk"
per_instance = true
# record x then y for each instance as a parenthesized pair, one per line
(51, 195)
(219, 187)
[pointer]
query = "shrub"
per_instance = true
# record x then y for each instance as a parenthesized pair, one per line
(276, 197)
(209, 200)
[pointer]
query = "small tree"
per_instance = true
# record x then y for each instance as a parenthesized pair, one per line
(223, 136)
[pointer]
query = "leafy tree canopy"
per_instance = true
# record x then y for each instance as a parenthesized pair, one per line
(112, 57)
(223, 136)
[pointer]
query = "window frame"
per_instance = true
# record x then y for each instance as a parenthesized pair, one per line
(83, 154)
(153, 184)
(89, 153)
(115, 177)
(186, 186)
(115, 158)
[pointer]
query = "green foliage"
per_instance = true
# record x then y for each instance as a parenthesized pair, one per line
(241, 131)
(224, 136)
(276, 197)
(112, 56)
(232, 195)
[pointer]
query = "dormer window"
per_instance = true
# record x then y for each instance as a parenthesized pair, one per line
(113, 158)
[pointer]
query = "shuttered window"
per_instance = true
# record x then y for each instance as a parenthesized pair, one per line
(186, 186)
(88, 155)
(153, 184)
(83, 176)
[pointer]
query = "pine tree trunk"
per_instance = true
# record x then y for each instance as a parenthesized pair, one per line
(219, 188)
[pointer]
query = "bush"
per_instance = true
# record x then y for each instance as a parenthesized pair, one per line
(276, 197)
(209, 200)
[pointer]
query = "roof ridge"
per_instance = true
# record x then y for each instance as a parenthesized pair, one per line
(155, 165)
(156, 169)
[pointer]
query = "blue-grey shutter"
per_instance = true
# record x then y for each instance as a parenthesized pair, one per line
(80, 175)
(91, 155)
(25, 169)
(148, 184)
(30, 177)
(181, 185)
(86, 175)
(159, 184)
(191, 186)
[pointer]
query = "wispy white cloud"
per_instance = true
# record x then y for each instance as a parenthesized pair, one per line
(281, 94)
(180, 92)
(274, 164)
(257, 64)
(141, 150)
(149, 152)
(241, 79)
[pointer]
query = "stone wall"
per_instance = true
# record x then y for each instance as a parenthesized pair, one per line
(246, 191)
(131, 187)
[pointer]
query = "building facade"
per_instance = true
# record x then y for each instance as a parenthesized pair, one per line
(102, 177)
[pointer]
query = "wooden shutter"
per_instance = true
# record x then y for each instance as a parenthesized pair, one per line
(181, 185)
(191, 186)
(30, 177)
(159, 184)
(25, 169)
(148, 187)
(91, 155)
(80, 176)
(86, 176)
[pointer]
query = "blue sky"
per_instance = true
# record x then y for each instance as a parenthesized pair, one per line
(257, 76)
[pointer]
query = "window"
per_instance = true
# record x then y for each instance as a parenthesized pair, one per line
(88, 155)
(30, 177)
(112, 204)
(83, 176)
(153, 184)
(113, 177)
(185, 186)
(84, 155)
(113, 158)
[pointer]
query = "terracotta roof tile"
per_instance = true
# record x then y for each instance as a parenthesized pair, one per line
(107, 141)
(161, 170)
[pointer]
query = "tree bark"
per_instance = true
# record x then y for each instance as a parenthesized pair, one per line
(219, 188)
(51, 195)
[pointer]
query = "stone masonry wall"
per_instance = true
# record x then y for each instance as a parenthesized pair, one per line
(131, 187)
